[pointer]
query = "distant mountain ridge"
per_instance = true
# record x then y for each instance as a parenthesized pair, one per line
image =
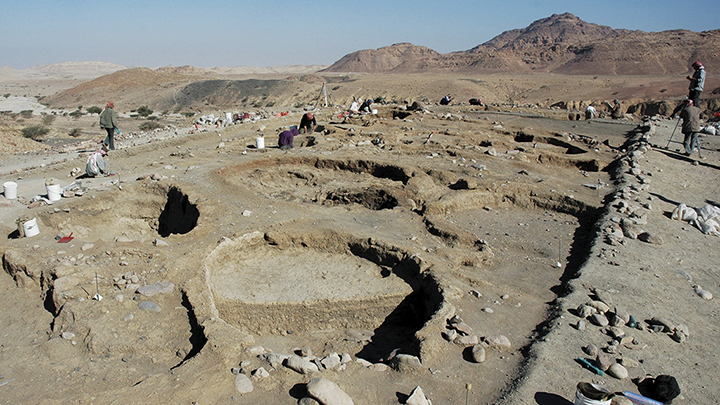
(561, 43)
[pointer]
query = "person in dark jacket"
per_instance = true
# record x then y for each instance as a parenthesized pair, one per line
(108, 122)
(307, 123)
(690, 127)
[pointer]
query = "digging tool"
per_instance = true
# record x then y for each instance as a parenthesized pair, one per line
(673, 133)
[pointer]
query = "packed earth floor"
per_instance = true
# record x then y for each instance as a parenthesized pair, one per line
(381, 253)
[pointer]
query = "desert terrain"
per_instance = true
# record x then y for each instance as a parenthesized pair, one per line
(419, 253)
(372, 254)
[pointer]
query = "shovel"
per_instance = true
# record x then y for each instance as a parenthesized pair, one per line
(66, 239)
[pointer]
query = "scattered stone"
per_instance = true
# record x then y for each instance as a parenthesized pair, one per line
(260, 373)
(243, 384)
(704, 294)
(308, 401)
(488, 310)
(466, 340)
(407, 360)
(591, 350)
(500, 342)
(478, 353)
(449, 334)
(149, 306)
(246, 213)
(129, 317)
(160, 287)
(160, 243)
(463, 328)
(119, 298)
(622, 314)
(346, 358)
(305, 351)
(87, 246)
(618, 371)
(600, 306)
(123, 239)
(619, 400)
(417, 397)
(651, 238)
(301, 365)
(616, 332)
(599, 320)
(68, 335)
(256, 350)
(603, 361)
(580, 325)
(275, 360)
(585, 311)
(665, 323)
(629, 363)
(327, 392)
(476, 294)
(491, 152)
(331, 361)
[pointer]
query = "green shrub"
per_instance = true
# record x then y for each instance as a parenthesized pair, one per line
(26, 113)
(94, 110)
(75, 132)
(35, 132)
(48, 119)
(144, 111)
(150, 125)
(188, 114)
(6, 95)
(76, 114)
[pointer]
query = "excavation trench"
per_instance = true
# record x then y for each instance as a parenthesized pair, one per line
(278, 284)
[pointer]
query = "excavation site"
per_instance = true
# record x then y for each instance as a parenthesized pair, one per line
(441, 249)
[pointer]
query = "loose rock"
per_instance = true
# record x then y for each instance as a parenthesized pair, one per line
(243, 384)
(417, 397)
(618, 371)
(478, 353)
(149, 306)
(300, 365)
(327, 392)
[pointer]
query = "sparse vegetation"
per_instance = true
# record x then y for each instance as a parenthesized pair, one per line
(188, 114)
(75, 133)
(48, 119)
(6, 95)
(94, 110)
(76, 114)
(144, 111)
(35, 132)
(26, 113)
(150, 126)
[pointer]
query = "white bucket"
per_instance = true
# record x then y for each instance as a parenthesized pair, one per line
(374, 111)
(54, 192)
(31, 228)
(581, 399)
(260, 142)
(10, 190)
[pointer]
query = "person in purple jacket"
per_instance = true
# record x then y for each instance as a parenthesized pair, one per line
(286, 140)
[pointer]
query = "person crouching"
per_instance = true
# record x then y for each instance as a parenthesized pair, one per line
(96, 164)
(286, 140)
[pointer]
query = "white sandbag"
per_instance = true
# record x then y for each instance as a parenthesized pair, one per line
(708, 212)
(684, 213)
(708, 227)
(710, 130)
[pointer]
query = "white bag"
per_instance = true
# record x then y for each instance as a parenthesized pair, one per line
(684, 213)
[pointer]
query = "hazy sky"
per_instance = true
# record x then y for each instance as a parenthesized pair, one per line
(154, 33)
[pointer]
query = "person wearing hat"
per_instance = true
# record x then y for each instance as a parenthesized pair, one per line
(366, 106)
(697, 83)
(286, 139)
(108, 122)
(96, 164)
(690, 127)
(308, 123)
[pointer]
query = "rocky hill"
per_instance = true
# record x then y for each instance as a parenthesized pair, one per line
(561, 43)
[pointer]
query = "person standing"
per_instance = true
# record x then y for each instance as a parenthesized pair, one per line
(697, 83)
(690, 127)
(108, 122)
(307, 123)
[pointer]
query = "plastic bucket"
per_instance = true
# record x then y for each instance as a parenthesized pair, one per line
(260, 142)
(31, 228)
(581, 399)
(10, 190)
(54, 192)
(374, 111)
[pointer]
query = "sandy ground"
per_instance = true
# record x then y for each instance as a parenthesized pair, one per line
(495, 219)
